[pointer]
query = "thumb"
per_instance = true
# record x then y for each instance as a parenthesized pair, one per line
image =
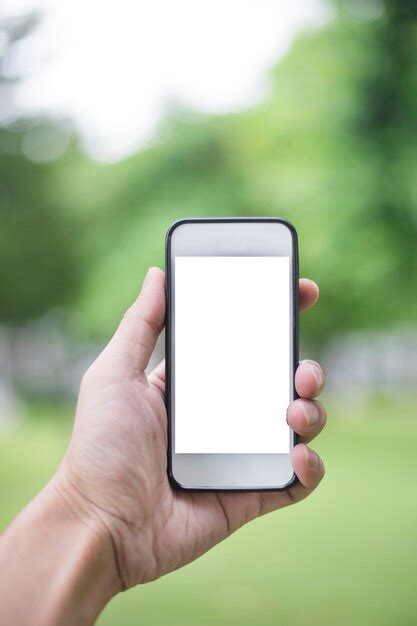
(134, 340)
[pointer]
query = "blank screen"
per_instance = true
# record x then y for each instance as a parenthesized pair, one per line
(232, 354)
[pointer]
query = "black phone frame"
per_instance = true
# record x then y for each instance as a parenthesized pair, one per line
(168, 332)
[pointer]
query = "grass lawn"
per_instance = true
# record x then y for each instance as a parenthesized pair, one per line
(346, 556)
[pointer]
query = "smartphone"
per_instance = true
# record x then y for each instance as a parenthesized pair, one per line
(231, 352)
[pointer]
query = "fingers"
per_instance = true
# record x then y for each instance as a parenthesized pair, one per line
(307, 418)
(309, 469)
(309, 379)
(135, 338)
(308, 294)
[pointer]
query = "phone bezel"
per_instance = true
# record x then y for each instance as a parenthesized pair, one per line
(169, 351)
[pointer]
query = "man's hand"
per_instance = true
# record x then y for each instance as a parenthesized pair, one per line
(114, 473)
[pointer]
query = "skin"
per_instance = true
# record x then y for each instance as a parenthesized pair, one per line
(110, 499)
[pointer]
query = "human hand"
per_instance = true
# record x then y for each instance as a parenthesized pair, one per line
(114, 473)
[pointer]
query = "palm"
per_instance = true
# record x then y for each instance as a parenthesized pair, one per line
(118, 464)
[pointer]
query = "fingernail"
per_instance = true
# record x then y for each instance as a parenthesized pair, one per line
(148, 277)
(311, 412)
(313, 459)
(317, 373)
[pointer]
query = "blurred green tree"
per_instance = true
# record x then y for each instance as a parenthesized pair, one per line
(333, 148)
(38, 269)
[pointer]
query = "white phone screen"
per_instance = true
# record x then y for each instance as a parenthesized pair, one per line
(232, 354)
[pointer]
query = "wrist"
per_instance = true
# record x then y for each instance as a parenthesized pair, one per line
(92, 574)
(64, 566)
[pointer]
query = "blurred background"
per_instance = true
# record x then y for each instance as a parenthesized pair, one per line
(118, 118)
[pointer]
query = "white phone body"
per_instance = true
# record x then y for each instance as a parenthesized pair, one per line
(231, 352)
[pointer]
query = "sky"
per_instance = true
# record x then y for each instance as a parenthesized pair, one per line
(114, 68)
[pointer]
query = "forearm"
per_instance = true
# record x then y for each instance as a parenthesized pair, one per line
(54, 568)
